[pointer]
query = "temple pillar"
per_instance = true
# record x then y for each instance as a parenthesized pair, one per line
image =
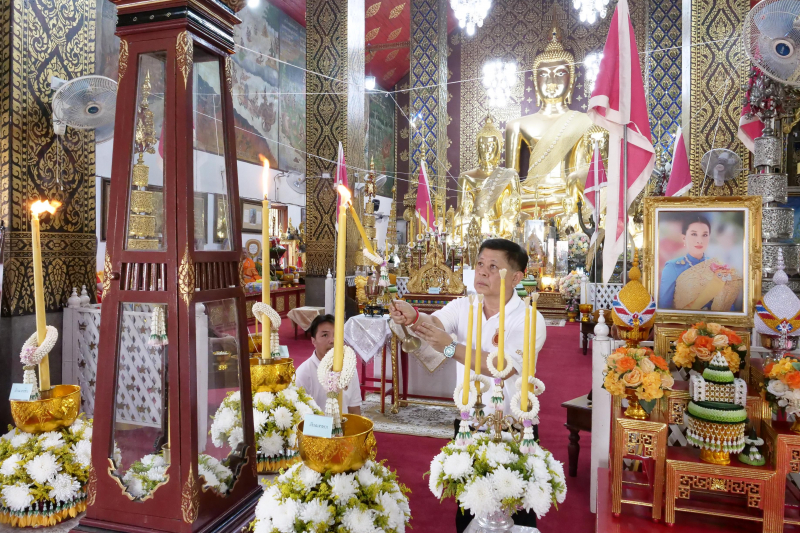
(664, 70)
(335, 52)
(42, 40)
(428, 98)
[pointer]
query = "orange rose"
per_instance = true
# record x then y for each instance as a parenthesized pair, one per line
(689, 336)
(704, 354)
(660, 362)
(626, 363)
(768, 368)
(667, 381)
(633, 378)
(792, 379)
(733, 338)
(699, 325)
(714, 328)
(704, 342)
(647, 366)
(611, 360)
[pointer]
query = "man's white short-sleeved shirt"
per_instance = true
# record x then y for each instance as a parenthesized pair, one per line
(306, 377)
(453, 317)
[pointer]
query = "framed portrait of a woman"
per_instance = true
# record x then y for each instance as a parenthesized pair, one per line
(699, 258)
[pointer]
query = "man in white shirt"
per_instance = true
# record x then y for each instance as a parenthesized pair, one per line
(321, 331)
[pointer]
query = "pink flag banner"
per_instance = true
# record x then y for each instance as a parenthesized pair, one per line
(680, 177)
(594, 184)
(424, 204)
(749, 128)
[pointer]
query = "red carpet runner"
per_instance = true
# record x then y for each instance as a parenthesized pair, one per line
(566, 373)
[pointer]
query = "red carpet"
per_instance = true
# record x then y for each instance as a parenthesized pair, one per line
(566, 373)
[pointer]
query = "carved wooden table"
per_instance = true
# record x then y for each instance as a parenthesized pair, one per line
(783, 453)
(736, 491)
(579, 417)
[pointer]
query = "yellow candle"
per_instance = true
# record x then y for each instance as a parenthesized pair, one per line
(37, 209)
(363, 233)
(478, 347)
(468, 356)
(525, 369)
(265, 271)
(532, 348)
(338, 332)
(502, 330)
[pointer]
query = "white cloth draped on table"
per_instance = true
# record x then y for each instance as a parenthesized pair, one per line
(367, 335)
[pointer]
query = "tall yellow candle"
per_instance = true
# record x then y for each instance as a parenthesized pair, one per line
(525, 368)
(265, 271)
(478, 348)
(532, 348)
(338, 331)
(502, 329)
(37, 209)
(468, 356)
(361, 231)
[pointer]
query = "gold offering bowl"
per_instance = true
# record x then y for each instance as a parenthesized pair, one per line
(339, 454)
(633, 336)
(586, 310)
(58, 408)
(635, 409)
(273, 375)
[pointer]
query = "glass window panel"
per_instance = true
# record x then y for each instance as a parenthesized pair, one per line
(220, 430)
(145, 228)
(140, 451)
(212, 214)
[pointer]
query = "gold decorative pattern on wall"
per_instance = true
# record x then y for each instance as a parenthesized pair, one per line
(718, 63)
(394, 34)
(373, 33)
(373, 10)
(123, 59)
(518, 30)
(389, 74)
(391, 55)
(186, 279)
(190, 504)
(184, 50)
(396, 10)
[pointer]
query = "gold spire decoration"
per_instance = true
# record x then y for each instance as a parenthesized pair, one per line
(391, 230)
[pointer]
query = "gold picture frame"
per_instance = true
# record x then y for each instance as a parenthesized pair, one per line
(658, 209)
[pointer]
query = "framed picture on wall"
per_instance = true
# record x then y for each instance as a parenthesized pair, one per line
(220, 231)
(251, 216)
(105, 189)
(200, 219)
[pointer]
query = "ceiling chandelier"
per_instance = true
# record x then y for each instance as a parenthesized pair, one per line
(591, 68)
(499, 78)
(589, 9)
(470, 13)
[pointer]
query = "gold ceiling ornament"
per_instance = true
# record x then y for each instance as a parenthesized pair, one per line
(435, 273)
(394, 34)
(107, 274)
(391, 55)
(395, 12)
(184, 50)
(186, 277)
(123, 58)
(372, 10)
(373, 33)
(190, 504)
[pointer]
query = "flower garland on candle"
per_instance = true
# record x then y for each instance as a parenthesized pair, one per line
(372, 257)
(158, 327)
(464, 437)
(262, 312)
(497, 390)
(333, 382)
(32, 354)
(538, 385)
(528, 419)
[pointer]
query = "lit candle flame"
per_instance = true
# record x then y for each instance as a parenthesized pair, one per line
(344, 193)
(264, 175)
(38, 207)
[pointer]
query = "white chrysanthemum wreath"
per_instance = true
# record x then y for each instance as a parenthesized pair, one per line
(366, 501)
(264, 312)
(487, 477)
(333, 382)
(43, 477)
(32, 354)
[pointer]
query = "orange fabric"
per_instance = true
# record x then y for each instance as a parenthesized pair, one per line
(250, 272)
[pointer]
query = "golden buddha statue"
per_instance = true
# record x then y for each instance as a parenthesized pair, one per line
(552, 143)
(490, 192)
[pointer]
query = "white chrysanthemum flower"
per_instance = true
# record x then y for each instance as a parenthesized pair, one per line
(343, 487)
(156, 473)
(224, 421)
(260, 419)
(290, 394)
(9, 466)
(480, 497)
(308, 478)
(208, 475)
(391, 510)
(498, 454)
(65, 488)
(235, 397)
(313, 404)
(270, 445)
(366, 478)
(538, 467)
(17, 497)
(267, 503)
(507, 483)
(136, 487)
(20, 439)
(51, 439)
(292, 441)
(236, 437)
(437, 467)
(263, 526)
(264, 398)
(538, 497)
(302, 409)
(316, 512)
(283, 417)
(88, 431)
(43, 468)
(458, 465)
(285, 515)
(77, 425)
(153, 460)
(358, 521)
(212, 462)
(82, 450)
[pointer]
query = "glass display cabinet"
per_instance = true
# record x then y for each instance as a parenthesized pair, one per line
(173, 446)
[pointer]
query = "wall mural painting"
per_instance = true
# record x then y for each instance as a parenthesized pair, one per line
(292, 134)
(107, 51)
(381, 140)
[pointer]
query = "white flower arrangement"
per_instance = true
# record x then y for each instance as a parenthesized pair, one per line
(570, 285)
(486, 477)
(43, 477)
(366, 501)
(275, 415)
(578, 244)
(150, 472)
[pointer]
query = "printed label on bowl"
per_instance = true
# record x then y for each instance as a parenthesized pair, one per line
(318, 426)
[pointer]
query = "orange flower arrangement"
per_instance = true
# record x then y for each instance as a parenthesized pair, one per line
(639, 369)
(700, 342)
(782, 383)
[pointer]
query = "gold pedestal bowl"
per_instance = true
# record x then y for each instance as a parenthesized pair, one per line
(586, 310)
(632, 335)
(270, 375)
(58, 408)
(339, 454)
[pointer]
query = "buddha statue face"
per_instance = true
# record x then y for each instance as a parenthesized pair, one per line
(490, 144)
(553, 80)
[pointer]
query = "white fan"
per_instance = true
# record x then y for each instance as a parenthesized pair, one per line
(297, 182)
(721, 165)
(85, 103)
(772, 39)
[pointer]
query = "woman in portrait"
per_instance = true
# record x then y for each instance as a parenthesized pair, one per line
(694, 281)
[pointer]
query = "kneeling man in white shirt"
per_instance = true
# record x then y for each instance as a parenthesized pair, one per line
(321, 331)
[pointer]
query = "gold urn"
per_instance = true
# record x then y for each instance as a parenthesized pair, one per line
(270, 375)
(339, 454)
(58, 408)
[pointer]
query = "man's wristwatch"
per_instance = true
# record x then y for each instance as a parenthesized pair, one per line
(450, 350)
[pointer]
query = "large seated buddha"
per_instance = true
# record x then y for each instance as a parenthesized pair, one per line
(551, 148)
